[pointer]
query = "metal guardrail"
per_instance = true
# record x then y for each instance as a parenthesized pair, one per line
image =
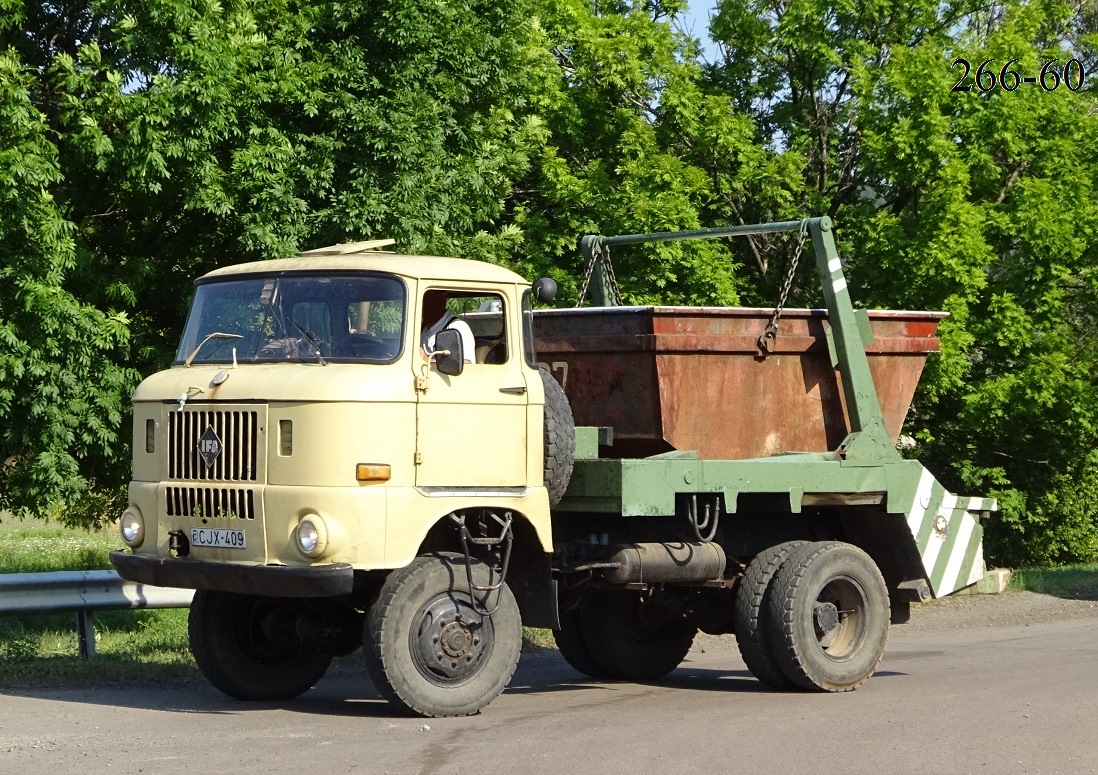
(83, 592)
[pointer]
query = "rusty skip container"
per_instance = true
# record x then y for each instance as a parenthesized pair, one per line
(691, 378)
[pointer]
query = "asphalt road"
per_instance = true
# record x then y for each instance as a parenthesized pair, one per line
(959, 692)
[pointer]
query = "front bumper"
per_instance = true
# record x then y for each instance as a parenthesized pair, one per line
(265, 580)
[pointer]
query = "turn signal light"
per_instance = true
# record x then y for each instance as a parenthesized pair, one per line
(373, 472)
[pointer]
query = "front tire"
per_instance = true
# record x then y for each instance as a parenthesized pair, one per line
(243, 646)
(829, 617)
(429, 650)
(630, 639)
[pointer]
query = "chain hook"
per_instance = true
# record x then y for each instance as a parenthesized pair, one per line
(767, 341)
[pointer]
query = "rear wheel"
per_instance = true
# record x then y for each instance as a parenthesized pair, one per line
(829, 617)
(630, 639)
(429, 647)
(573, 646)
(750, 614)
(246, 647)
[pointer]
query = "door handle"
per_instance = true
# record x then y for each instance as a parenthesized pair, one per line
(514, 391)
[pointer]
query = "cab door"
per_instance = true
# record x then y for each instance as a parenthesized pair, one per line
(472, 427)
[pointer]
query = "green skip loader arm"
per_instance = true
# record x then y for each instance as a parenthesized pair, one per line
(934, 537)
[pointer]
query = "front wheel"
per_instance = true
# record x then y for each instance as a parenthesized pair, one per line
(828, 617)
(245, 646)
(430, 648)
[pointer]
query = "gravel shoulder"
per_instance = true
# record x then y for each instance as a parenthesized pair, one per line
(1013, 607)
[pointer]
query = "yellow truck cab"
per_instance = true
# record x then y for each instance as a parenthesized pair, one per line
(308, 439)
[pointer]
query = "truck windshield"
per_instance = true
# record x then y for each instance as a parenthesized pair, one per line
(297, 318)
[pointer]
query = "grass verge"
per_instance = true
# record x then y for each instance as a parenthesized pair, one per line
(1071, 581)
(40, 547)
(132, 647)
(43, 651)
(534, 638)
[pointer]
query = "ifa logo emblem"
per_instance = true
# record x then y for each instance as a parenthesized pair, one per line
(209, 446)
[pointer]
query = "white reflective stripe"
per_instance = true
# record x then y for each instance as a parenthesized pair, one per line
(840, 285)
(834, 265)
(979, 569)
(922, 500)
(957, 556)
(937, 540)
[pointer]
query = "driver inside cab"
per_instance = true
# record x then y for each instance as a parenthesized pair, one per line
(437, 318)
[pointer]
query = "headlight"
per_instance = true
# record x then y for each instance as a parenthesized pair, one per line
(312, 536)
(132, 527)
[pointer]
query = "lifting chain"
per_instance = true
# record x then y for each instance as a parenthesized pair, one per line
(615, 291)
(769, 336)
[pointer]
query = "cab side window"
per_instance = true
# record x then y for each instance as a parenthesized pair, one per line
(484, 314)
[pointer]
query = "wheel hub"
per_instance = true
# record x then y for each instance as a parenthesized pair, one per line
(455, 639)
(450, 640)
(826, 617)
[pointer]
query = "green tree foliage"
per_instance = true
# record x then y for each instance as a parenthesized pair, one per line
(215, 133)
(142, 144)
(61, 388)
(636, 145)
(983, 204)
(146, 143)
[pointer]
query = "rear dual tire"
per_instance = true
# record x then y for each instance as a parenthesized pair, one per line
(812, 616)
(750, 615)
(828, 617)
(573, 645)
(613, 634)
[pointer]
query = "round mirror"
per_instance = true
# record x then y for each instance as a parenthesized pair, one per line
(545, 290)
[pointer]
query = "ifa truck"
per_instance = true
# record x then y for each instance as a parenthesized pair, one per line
(361, 450)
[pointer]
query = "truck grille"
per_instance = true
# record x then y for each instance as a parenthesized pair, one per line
(238, 432)
(210, 502)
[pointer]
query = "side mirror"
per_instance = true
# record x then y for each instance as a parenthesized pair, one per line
(448, 353)
(545, 290)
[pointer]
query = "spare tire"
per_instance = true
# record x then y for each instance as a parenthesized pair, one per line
(560, 439)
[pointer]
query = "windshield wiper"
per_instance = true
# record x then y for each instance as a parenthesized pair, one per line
(312, 341)
(214, 335)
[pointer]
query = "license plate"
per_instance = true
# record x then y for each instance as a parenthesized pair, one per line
(220, 539)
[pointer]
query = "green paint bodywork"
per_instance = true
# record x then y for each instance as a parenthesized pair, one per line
(865, 469)
(648, 486)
